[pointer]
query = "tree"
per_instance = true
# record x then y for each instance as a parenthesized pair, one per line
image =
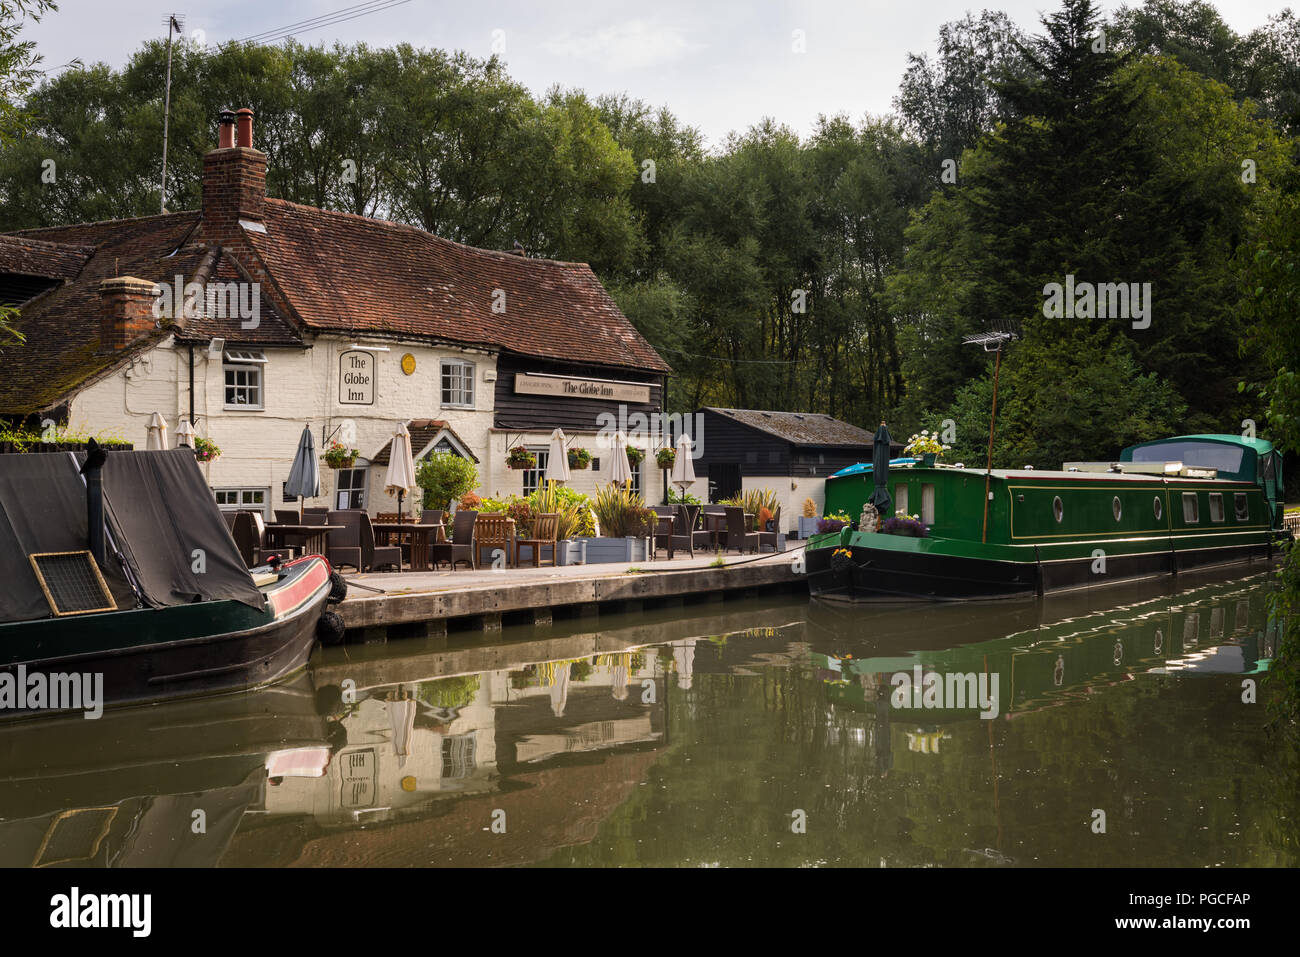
(445, 477)
(19, 64)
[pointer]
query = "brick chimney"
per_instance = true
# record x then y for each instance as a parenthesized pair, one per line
(125, 311)
(234, 177)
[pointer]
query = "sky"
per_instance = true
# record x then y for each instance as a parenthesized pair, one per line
(719, 65)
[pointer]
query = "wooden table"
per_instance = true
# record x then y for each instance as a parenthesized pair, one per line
(315, 537)
(716, 523)
(419, 535)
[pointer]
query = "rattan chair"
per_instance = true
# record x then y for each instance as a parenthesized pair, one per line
(461, 546)
(738, 537)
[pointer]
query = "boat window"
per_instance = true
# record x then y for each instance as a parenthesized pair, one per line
(1216, 506)
(1241, 505)
(900, 498)
(1191, 508)
(927, 504)
(1058, 508)
(1116, 507)
(1195, 453)
(1157, 508)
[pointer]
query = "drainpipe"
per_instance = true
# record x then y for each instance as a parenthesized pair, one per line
(191, 383)
(663, 414)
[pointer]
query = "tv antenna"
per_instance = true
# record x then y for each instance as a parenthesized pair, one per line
(175, 23)
(992, 341)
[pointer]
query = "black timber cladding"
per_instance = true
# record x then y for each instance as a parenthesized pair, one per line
(761, 453)
(543, 412)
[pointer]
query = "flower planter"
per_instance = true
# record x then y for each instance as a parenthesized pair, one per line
(807, 526)
(926, 460)
(605, 550)
(341, 463)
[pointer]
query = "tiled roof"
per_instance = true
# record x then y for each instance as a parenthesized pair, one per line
(271, 328)
(801, 428)
(423, 431)
(28, 256)
(61, 327)
(347, 273)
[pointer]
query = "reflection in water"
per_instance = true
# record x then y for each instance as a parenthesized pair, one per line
(692, 738)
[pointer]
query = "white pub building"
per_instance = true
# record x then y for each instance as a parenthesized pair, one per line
(252, 317)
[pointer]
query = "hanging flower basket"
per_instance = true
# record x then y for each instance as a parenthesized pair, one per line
(205, 450)
(520, 458)
(635, 457)
(579, 459)
(339, 456)
(665, 458)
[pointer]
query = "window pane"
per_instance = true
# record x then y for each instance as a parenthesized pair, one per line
(1216, 507)
(927, 504)
(533, 478)
(900, 500)
(1191, 511)
(1241, 504)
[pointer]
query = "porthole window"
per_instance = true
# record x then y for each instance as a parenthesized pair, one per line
(1116, 507)
(1157, 508)
(1058, 508)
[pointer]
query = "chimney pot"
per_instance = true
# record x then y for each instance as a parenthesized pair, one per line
(244, 125)
(226, 130)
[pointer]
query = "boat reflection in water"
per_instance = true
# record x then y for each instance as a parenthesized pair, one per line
(670, 737)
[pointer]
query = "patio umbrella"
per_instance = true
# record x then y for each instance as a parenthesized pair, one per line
(683, 468)
(557, 462)
(684, 659)
(880, 471)
(185, 434)
(157, 438)
(401, 467)
(304, 475)
(401, 713)
(620, 470)
(560, 690)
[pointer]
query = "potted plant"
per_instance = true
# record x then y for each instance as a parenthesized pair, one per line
(925, 448)
(579, 459)
(635, 457)
(909, 525)
(520, 458)
(205, 450)
(809, 519)
(665, 458)
(339, 456)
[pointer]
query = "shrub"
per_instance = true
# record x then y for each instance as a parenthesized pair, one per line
(809, 508)
(469, 502)
(574, 509)
(622, 512)
(825, 525)
(681, 498)
(445, 476)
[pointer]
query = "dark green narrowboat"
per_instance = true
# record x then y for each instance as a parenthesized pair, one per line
(1164, 507)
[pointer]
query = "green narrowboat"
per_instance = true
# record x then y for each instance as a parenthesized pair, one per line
(1164, 507)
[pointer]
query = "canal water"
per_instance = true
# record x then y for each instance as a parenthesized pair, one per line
(1121, 728)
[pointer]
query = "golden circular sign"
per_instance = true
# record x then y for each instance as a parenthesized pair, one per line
(408, 784)
(408, 363)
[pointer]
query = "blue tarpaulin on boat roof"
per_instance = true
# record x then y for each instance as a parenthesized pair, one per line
(866, 467)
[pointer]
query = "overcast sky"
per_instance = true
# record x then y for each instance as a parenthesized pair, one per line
(720, 65)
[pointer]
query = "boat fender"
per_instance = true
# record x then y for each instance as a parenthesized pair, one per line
(330, 628)
(338, 588)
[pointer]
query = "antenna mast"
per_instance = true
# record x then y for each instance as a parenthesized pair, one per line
(173, 22)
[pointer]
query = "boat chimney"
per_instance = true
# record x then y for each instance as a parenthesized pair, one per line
(92, 470)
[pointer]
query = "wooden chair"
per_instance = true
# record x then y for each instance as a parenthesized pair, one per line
(461, 546)
(773, 537)
(546, 527)
(737, 535)
(492, 530)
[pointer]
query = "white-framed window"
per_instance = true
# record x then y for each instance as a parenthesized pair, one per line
(1216, 506)
(1241, 505)
(1191, 509)
(900, 499)
(241, 499)
(244, 378)
(534, 477)
(457, 383)
(350, 492)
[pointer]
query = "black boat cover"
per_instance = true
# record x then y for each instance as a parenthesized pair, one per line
(170, 536)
